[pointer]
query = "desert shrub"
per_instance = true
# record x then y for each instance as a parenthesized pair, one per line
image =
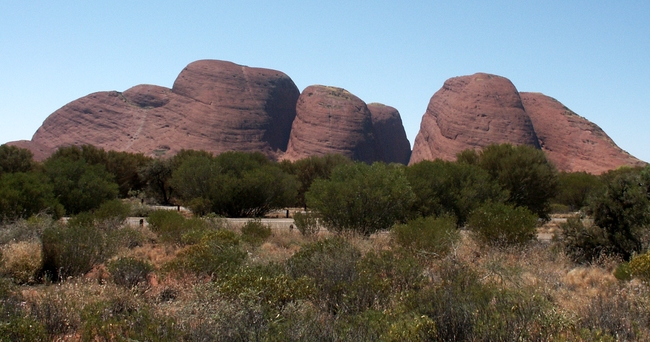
(217, 254)
(332, 264)
(255, 232)
(268, 285)
(640, 267)
(71, 250)
(22, 328)
(123, 238)
(614, 317)
(171, 226)
(381, 277)
(129, 272)
(557, 208)
(126, 319)
(464, 308)
(21, 261)
(583, 243)
(503, 224)
(15, 159)
(113, 213)
(28, 230)
(361, 198)
(623, 272)
(575, 189)
(428, 236)
(307, 223)
(200, 206)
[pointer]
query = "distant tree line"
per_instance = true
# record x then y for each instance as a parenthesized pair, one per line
(342, 194)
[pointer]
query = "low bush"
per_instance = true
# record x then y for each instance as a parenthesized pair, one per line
(503, 224)
(129, 272)
(307, 223)
(171, 226)
(583, 243)
(332, 264)
(217, 254)
(640, 267)
(71, 250)
(112, 214)
(255, 233)
(428, 236)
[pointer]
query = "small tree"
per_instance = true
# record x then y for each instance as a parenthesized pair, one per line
(25, 194)
(623, 211)
(15, 159)
(575, 188)
(362, 198)
(523, 171)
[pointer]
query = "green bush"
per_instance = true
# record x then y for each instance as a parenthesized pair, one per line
(307, 223)
(171, 226)
(217, 255)
(25, 194)
(640, 267)
(503, 224)
(255, 232)
(584, 244)
(71, 250)
(362, 198)
(428, 236)
(129, 272)
(623, 272)
(112, 213)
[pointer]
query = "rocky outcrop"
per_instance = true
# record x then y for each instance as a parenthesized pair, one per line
(391, 142)
(570, 141)
(331, 120)
(215, 106)
(471, 112)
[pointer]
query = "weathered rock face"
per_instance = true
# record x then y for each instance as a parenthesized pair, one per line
(471, 112)
(215, 106)
(392, 144)
(331, 120)
(570, 141)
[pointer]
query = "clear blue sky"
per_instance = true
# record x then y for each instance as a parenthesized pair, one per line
(593, 56)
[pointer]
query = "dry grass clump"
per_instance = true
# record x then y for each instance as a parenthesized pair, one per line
(21, 261)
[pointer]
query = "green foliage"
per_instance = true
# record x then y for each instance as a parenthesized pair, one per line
(255, 232)
(575, 188)
(14, 159)
(217, 254)
(640, 267)
(428, 236)
(307, 170)
(530, 179)
(25, 194)
(71, 250)
(22, 328)
(503, 224)
(233, 184)
(157, 175)
(171, 226)
(623, 211)
(362, 198)
(584, 244)
(80, 186)
(447, 188)
(307, 223)
(623, 272)
(267, 285)
(129, 272)
(112, 214)
(332, 265)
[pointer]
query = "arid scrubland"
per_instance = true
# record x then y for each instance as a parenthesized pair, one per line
(327, 286)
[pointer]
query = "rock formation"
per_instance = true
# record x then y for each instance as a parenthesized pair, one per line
(392, 144)
(331, 120)
(215, 106)
(471, 112)
(570, 141)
